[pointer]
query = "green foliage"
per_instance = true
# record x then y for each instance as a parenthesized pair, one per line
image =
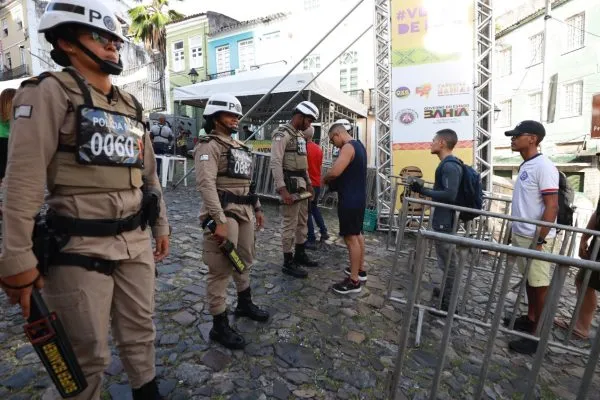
(148, 24)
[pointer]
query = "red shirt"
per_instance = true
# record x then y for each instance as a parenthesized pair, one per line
(315, 162)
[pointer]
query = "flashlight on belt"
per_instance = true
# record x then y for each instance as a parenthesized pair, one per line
(227, 248)
(50, 341)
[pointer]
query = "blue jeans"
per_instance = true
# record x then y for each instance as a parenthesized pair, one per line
(314, 212)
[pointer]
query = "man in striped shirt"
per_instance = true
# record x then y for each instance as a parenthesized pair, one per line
(535, 196)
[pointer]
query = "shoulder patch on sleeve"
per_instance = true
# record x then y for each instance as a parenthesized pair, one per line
(204, 157)
(22, 111)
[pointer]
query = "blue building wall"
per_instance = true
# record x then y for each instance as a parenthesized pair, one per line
(232, 41)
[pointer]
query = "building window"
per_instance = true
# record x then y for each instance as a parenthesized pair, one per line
(246, 53)
(196, 59)
(310, 5)
(223, 64)
(19, 19)
(505, 62)
(348, 72)
(503, 173)
(576, 180)
(269, 37)
(575, 31)
(343, 80)
(535, 106)
(505, 117)
(5, 26)
(178, 56)
(312, 62)
(349, 58)
(572, 99)
(536, 48)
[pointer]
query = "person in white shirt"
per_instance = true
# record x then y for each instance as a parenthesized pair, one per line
(535, 196)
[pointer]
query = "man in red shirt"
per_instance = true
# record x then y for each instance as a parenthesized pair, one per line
(315, 163)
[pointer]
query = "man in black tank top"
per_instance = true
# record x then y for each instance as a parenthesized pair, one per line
(349, 176)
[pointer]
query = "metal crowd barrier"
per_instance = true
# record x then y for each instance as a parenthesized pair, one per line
(502, 268)
(407, 217)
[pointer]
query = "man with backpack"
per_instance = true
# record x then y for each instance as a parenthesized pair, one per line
(446, 188)
(535, 197)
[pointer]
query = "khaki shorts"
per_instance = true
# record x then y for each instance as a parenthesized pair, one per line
(539, 271)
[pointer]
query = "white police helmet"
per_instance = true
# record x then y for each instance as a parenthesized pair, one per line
(89, 13)
(223, 102)
(345, 122)
(309, 109)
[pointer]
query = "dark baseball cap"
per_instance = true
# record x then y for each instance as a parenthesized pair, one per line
(528, 126)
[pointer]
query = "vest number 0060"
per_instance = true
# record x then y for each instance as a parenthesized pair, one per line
(241, 167)
(108, 145)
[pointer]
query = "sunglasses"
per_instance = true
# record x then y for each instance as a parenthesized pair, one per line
(103, 40)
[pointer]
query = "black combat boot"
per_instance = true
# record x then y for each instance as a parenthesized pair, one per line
(246, 308)
(302, 258)
(221, 332)
(147, 392)
(291, 268)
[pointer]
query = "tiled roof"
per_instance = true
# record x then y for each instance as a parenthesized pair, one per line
(529, 18)
(187, 17)
(251, 22)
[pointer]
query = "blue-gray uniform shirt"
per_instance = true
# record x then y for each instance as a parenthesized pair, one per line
(445, 189)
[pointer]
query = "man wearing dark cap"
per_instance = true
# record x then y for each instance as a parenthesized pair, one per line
(535, 196)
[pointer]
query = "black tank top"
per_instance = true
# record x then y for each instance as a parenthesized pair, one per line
(352, 183)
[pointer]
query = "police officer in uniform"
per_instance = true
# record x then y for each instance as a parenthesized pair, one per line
(289, 167)
(224, 180)
(83, 138)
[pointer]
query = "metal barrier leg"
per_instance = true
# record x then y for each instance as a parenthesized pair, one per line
(551, 305)
(419, 327)
(448, 327)
(391, 227)
(476, 260)
(399, 237)
(590, 370)
(410, 305)
(184, 178)
(494, 331)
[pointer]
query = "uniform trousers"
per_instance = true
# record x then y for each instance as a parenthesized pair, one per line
(295, 219)
(220, 269)
(88, 303)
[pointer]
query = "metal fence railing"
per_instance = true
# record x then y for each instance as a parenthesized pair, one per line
(476, 253)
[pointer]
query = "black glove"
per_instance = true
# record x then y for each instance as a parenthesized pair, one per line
(415, 187)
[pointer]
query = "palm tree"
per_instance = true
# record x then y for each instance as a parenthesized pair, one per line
(148, 24)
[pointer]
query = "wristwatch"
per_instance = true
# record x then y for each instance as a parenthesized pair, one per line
(541, 241)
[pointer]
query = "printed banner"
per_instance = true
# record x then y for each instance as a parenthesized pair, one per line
(432, 79)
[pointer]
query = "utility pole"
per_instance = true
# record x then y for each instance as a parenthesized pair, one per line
(545, 62)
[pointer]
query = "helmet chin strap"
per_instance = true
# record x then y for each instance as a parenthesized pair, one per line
(108, 67)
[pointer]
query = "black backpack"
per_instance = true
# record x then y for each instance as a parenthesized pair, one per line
(470, 193)
(566, 197)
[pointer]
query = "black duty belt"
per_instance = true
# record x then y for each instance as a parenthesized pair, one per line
(298, 174)
(101, 265)
(227, 198)
(93, 227)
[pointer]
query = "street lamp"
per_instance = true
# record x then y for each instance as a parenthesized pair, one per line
(193, 75)
(497, 112)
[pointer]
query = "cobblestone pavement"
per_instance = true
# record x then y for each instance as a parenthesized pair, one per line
(317, 344)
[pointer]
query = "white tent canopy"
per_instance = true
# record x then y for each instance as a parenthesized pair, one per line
(13, 83)
(250, 86)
